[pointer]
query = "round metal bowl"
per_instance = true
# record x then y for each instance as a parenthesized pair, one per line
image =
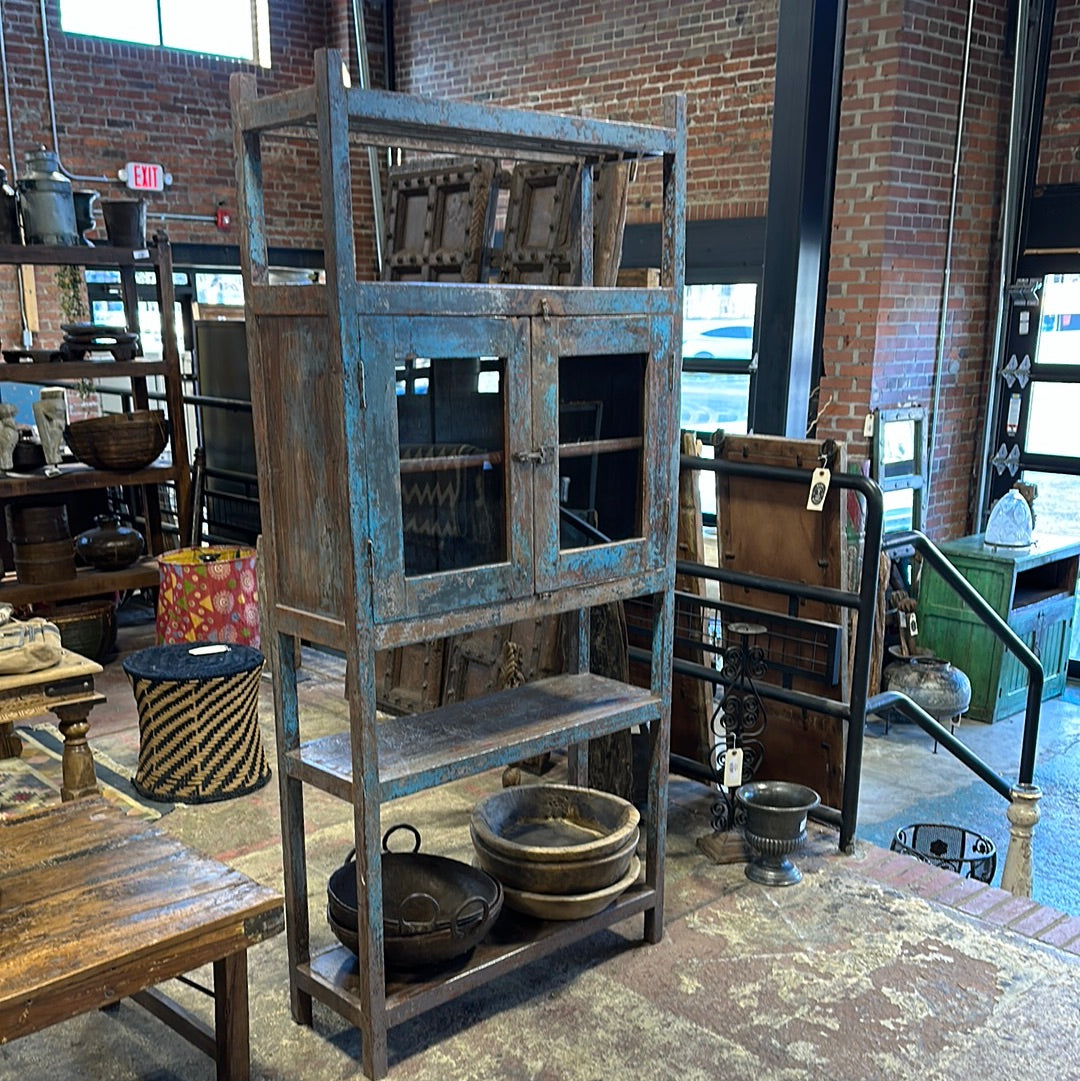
(553, 822)
(435, 908)
(574, 906)
(557, 876)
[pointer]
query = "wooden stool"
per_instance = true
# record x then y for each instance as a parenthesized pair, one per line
(67, 690)
(96, 907)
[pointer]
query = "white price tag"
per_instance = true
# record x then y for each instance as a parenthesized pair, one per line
(913, 625)
(819, 488)
(733, 768)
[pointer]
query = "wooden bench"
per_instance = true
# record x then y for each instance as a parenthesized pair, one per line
(96, 906)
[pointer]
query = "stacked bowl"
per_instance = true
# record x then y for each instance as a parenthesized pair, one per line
(561, 852)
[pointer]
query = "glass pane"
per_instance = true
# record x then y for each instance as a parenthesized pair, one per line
(219, 27)
(1051, 423)
(122, 20)
(452, 445)
(1059, 332)
(601, 428)
(899, 507)
(718, 321)
(712, 400)
(1057, 513)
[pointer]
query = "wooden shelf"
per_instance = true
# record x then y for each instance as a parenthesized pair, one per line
(332, 975)
(62, 371)
(86, 583)
(78, 255)
(76, 477)
(445, 744)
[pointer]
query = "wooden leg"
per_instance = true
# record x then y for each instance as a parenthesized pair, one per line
(79, 779)
(231, 1018)
(10, 744)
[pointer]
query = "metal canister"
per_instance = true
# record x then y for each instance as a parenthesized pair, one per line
(48, 207)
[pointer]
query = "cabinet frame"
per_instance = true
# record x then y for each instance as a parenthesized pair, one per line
(315, 406)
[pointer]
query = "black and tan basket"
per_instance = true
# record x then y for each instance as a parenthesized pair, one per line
(199, 735)
(119, 442)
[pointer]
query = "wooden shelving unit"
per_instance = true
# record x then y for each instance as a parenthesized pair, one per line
(358, 553)
(76, 477)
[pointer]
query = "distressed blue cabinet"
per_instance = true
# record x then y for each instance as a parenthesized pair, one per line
(418, 445)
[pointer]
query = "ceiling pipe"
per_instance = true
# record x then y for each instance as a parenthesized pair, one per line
(24, 323)
(946, 283)
(52, 104)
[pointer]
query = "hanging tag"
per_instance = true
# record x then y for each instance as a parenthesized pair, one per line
(733, 768)
(912, 625)
(819, 488)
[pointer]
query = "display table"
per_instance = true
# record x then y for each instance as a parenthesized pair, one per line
(1032, 589)
(96, 907)
(66, 690)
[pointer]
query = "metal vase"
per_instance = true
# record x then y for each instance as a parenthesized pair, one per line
(775, 826)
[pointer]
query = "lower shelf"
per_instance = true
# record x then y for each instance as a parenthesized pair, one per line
(86, 583)
(458, 740)
(332, 977)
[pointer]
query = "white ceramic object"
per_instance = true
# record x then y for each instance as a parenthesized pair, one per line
(1010, 524)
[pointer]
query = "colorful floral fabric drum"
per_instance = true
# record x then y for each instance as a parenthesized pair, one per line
(208, 595)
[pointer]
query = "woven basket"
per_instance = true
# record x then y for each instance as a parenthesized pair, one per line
(87, 628)
(120, 441)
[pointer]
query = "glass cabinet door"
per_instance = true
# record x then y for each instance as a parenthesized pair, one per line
(600, 432)
(449, 474)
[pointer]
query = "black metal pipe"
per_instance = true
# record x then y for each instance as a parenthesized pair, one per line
(1000, 629)
(832, 707)
(692, 768)
(960, 750)
(824, 594)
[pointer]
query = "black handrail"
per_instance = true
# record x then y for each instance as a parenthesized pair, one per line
(998, 627)
(864, 601)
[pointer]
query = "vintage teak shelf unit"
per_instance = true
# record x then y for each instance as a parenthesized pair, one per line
(411, 438)
(174, 469)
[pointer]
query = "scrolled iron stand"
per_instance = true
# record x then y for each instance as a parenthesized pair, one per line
(739, 719)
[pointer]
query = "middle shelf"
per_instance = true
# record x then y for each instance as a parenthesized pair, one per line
(458, 740)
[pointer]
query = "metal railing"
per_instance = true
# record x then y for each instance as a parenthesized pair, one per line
(863, 602)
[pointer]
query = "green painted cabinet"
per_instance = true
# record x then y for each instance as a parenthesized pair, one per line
(1032, 589)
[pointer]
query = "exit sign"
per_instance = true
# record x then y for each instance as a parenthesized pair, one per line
(144, 176)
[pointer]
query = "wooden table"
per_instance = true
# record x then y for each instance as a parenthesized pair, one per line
(96, 907)
(67, 690)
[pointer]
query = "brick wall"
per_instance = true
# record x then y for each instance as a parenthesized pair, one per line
(609, 58)
(902, 87)
(117, 102)
(1059, 156)
(894, 171)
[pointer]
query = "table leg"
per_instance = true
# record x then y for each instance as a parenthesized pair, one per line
(79, 779)
(231, 1018)
(10, 744)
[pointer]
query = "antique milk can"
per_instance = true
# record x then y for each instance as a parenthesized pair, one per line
(48, 207)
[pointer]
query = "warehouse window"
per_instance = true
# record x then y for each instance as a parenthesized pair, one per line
(238, 29)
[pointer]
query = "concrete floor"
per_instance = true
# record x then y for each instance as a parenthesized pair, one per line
(853, 974)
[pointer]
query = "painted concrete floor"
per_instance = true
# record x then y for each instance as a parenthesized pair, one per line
(850, 975)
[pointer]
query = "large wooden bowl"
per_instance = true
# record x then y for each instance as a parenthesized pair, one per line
(557, 876)
(553, 822)
(119, 442)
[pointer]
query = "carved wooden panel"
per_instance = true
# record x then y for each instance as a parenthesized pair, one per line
(537, 240)
(439, 221)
